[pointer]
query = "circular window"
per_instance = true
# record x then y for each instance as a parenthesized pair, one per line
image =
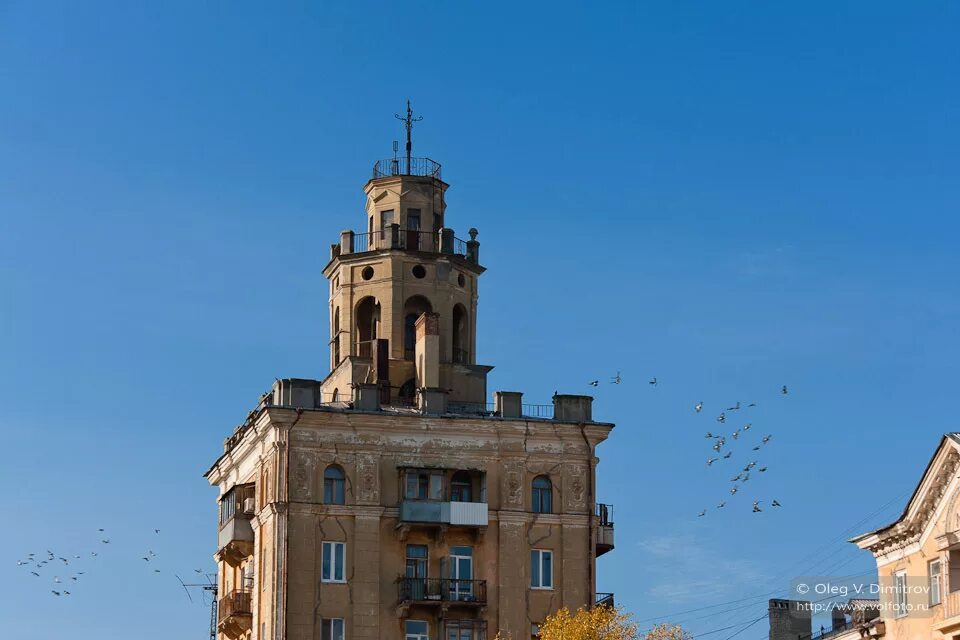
(461, 280)
(367, 273)
(419, 271)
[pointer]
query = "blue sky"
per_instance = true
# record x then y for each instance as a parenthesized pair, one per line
(727, 196)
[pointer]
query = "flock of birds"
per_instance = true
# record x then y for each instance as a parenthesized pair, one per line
(720, 446)
(51, 566)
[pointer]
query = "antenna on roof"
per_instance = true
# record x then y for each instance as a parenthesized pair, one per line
(408, 121)
(395, 163)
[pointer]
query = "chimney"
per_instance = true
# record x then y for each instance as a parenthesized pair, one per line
(789, 619)
(570, 408)
(427, 351)
(433, 399)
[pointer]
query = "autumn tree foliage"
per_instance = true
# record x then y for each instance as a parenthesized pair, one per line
(602, 623)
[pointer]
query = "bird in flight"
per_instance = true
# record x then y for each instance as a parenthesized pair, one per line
(784, 390)
(721, 505)
(158, 530)
(717, 446)
(733, 490)
(56, 593)
(722, 418)
(593, 383)
(710, 435)
(617, 379)
(710, 461)
(752, 404)
(35, 573)
(735, 407)
(653, 382)
(757, 448)
(735, 434)
(766, 439)
(698, 407)
(727, 455)
(702, 513)
(756, 506)
(762, 469)
(775, 504)
(747, 426)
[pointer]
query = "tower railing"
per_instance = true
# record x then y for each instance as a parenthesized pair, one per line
(393, 237)
(424, 167)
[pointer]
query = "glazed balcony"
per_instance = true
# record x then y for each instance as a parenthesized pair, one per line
(604, 519)
(441, 591)
(235, 614)
(465, 629)
(468, 514)
(235, 537)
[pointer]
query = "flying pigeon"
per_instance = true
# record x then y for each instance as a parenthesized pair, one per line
(158, 530)
(710, 435)
(710, 461)
(735, 407)
(733, 490)
(747, 426)
(721, 505)
(616, 379)
(735, 434)
(702, 513)
(56, 593)
(35, 573)
(653, 382)
(721, 418)
(766, 439)
(774, 504)
(762, 469)
(757, 448)
(752, 404)
(716, 446)
(727, 455)
(593, 383)
(784, 390)
(698, 407)
(756, 507)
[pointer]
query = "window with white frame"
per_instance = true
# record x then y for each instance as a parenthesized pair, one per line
(933, 573)
(416, 630)
(331, 629)
(541, 569)
(333, 561)
(900, 594)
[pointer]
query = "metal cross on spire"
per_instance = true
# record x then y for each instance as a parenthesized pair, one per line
(408, 121)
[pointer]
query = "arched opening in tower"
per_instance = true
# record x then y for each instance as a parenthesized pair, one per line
(413, 308)
(461, 354)
(368, 326)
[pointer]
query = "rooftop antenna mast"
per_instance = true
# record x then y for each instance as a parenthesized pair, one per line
(408, 121)
(211, 588)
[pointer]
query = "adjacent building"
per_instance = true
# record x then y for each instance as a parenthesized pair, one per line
(390, 499)
(918, 555)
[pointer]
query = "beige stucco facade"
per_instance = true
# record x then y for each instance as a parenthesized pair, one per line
(922, 546)
(390, 500)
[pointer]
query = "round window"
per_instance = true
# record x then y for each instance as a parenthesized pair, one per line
(367, 273)
(461, 280)
(419, 271)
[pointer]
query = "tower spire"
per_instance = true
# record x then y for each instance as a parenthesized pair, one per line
(408, 121)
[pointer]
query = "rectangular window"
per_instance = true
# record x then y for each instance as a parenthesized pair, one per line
(416, 630)
(331, 629)
(386, 219)
(413, 219)
(423, 485)
(541, 569)
(900, 594)
(933, 571)
(333, 560)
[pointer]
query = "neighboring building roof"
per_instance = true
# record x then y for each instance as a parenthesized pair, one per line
(948, 439)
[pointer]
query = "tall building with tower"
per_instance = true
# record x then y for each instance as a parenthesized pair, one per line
(390, 499)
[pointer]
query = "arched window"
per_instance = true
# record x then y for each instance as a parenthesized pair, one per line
(460, 487)
(336, 396)
(368, 325)
(542, 495)
(333, 485)
(413, 308)
(461, 354)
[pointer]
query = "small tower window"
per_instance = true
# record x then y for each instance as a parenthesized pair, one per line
(461, 280)
(367, 273)
(386, 219)
(333, 485)
(460, 353)
(419, 271)
(542, 495)
(412, 310)
(336, 336)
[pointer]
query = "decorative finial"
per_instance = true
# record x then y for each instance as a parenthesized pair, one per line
(408, 121)
(473, 233)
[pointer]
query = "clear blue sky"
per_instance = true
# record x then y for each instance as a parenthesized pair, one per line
(727, 196)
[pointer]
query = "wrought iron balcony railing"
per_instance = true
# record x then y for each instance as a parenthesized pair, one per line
(442, 590)
(236, 603)
(404, 166)
(603, 600)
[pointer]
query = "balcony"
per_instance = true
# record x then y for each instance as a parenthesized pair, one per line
(393, 237)
(442, 592)
(234, 614)
(422, 167)
(603, 600)
(466, 514)
(604, 515)
(235, 538)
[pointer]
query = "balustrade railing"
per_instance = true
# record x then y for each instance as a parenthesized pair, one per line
(442, 590)
(236, 603)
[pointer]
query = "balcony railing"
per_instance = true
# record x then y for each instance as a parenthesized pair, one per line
(826, 633)
(603, 600)
(365, 349)
(604, 514)
(424, 167)
(538, 410)
(951, 604)
(442, 590)
(393, 237)
(234, 604)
